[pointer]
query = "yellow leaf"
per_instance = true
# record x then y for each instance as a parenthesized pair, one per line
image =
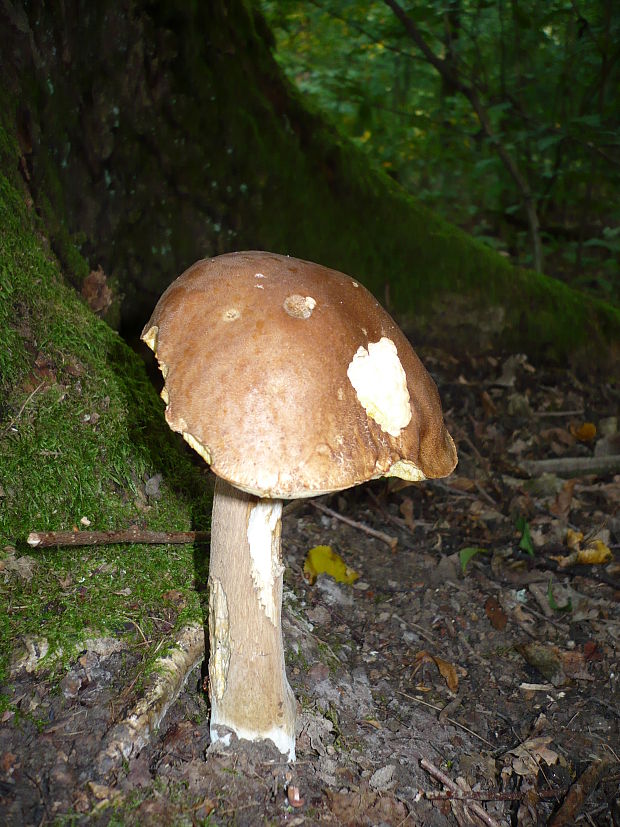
(324, 560)
(573, 538)
(584, 432)
(595, 554)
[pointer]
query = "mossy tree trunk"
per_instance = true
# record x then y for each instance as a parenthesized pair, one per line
(158, 133)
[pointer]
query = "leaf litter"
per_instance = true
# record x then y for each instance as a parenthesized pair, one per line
(470, 675)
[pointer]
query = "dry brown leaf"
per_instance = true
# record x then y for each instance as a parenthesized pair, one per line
(527, 757)
(96, 292)
(562, 503)
(446, 670)
(496, 614)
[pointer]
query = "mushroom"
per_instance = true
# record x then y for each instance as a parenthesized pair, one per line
(291, 381)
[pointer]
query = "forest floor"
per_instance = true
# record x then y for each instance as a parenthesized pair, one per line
(483, 646)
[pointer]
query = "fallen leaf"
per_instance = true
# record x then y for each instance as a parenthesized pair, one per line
(466, 554)
(446, 670)
(496, 614)
(96, 292)
(324, 560)
(584, 432)
(561, 505)
(525, 543)
(527, 757)
(596, 553)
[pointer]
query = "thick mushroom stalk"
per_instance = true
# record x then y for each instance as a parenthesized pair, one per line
(249, 692)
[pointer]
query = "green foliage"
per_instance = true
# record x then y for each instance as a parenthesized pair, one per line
(549, 77)
(466, 554)
(525, 543)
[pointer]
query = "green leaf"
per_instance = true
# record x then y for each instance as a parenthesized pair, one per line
(465, 555)
(525, 543)
(568, 607)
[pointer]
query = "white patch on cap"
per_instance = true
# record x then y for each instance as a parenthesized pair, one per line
(259, 275)
(381, 385)
(264, 543)
(300, 307)
(231, 314)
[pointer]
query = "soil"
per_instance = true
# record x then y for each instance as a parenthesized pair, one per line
(499, 668)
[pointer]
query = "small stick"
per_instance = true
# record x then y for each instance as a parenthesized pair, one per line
(45, 539)
(486, 795)
(21, 410)
(453, 721)
(447, 782)
(572, 466)
(578, 794)
(386, 538)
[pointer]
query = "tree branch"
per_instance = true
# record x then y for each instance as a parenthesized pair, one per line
(448, 71)
(46, 539)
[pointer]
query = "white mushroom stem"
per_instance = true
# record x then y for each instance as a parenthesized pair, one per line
(249, 692)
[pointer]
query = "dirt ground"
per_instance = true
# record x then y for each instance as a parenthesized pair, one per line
(497, 668)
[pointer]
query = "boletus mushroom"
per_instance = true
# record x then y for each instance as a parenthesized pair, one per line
(291, 381)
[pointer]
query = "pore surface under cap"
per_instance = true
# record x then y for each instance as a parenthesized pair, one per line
(258, 350)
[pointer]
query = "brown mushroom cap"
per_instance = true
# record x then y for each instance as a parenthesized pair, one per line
(260, 353)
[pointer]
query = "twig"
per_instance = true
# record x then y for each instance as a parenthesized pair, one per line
(482, 795)
(419, 629)
(45, 539)
(447, 782)
(392, 542)
(451, 720)
(21, 410)
(572, 466)
(579, 412)
(578, 793)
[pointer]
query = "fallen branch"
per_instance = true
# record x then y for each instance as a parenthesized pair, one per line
(458, 794)
(572, 466)
(170, 671)
(454, 788)
(578, 793)
(45, 539)
(392, 542)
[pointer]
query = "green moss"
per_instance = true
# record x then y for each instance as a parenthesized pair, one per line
(81, 431)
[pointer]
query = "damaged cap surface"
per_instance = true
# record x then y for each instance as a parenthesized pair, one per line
(301, 387)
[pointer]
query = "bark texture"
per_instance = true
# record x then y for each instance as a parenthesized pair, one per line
(155, 134)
